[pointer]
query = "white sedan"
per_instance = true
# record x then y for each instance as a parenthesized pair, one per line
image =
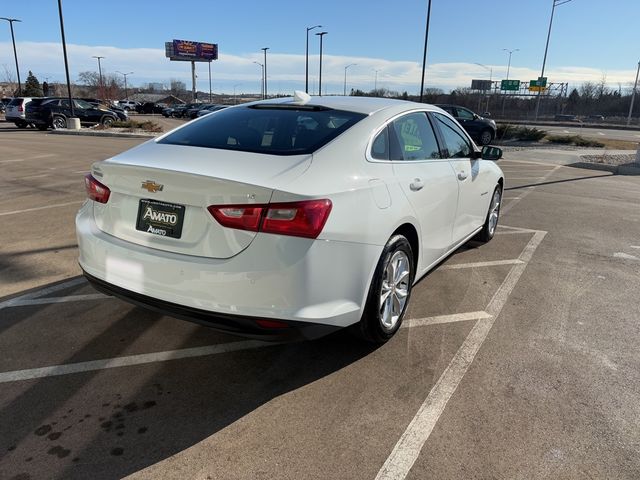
(291, 217)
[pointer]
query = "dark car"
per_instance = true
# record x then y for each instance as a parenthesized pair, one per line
(210, 109)
(53, 112)
(181, 111)
(482, 130)
(150, 107)
(119, 111)
(193, 112)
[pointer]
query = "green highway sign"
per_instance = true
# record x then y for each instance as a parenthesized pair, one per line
(510, 85)
(540, 82)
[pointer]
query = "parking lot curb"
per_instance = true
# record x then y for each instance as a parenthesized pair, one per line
(88, 133)
(615, 169)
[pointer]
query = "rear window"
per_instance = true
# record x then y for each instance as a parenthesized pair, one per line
(273, 129)
(16, 102)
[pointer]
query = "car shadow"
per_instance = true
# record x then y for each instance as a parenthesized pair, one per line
(113, 422)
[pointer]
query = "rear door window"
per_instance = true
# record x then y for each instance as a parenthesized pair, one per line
(413, 138)
(277, 129)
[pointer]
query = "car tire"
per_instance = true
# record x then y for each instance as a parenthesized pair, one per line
(58, 122)
(384, 308)
(21, 124)
(107, 121)
(486, 136)
(493, 215)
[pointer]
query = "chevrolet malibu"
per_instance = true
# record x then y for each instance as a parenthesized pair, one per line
(289, 218)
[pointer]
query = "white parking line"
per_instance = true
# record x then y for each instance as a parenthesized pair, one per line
(408, 447)
(130, 360)
(528, 190)
(42, 292)
(36, 157)
(440, 319)
(56, 205)
(70, 298)
(493, 263)
(145, 358)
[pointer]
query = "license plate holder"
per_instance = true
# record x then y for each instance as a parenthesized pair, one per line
(160, 218)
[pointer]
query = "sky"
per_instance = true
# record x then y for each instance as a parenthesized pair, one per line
(590, 39)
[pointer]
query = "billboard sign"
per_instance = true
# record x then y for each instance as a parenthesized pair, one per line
(481, 84)
(186, 50)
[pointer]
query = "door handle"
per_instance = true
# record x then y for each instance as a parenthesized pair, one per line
(416, 185)
(462, 175)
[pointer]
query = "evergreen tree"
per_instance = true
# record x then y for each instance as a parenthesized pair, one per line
(32, 86)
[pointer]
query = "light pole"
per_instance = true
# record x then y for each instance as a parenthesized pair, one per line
(633, 96)
(490, 82)
(72, 122)
(15, 53)
(424, 55)
(345, 77)
(375, 82)
(209, 81)
(126, 91)
(265, 70)
(321, 34)
(100, 73)
(509, 64)
(556, 3)
(306, 68)
(261, 79)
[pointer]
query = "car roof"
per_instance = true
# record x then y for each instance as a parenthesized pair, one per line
(366, 105)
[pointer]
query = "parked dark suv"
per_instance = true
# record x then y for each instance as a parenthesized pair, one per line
(53, 112)
(482, 130)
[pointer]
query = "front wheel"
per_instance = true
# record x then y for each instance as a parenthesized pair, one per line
(493, 215)
(389, 292)
(485, 137)
(107, 121)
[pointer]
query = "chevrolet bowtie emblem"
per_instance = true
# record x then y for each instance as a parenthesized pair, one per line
(152, 186)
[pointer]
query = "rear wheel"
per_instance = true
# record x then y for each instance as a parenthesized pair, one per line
(389, 292)
(493, 215)
(59, 122)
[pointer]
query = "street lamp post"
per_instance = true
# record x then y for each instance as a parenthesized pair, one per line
(261, 79)
(306, 68)
(345, 77)
(15, 53)
(209, 81)
(100, 74)
(320, 34)
(73, 122)
(424, 55)
(509, 64)
(265, 70)
(633, 96)
(375, 82)
(556, 3)
(126, 91)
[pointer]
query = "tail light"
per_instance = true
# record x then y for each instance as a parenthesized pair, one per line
(95, 190)
(21, 108)
(298, 219)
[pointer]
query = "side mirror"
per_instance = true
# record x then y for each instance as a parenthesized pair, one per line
(491, 153)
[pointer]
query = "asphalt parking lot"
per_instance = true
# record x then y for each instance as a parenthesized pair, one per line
(518, 359)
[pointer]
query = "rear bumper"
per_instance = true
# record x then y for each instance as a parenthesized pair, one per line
(233, 324)
(296, 280)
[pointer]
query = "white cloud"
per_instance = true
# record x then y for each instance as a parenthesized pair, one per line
(285, 71)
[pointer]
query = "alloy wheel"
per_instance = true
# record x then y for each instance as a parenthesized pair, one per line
(395, 289)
